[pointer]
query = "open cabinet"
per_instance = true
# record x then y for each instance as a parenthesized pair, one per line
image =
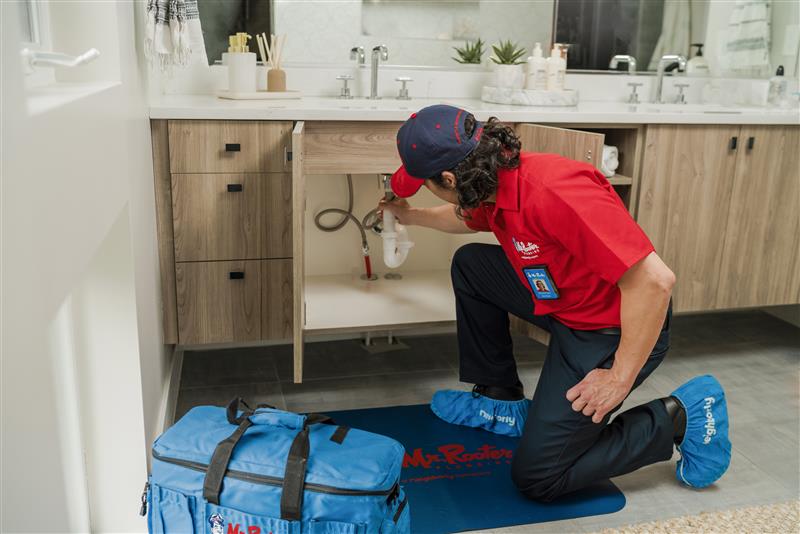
(330, 295)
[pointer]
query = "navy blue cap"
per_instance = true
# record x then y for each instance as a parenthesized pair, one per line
(429, 142)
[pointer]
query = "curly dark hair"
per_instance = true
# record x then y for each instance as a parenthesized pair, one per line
(476, 175)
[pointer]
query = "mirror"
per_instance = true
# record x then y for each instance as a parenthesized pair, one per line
(426, 32)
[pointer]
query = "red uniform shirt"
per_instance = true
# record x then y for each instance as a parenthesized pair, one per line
(562, 217)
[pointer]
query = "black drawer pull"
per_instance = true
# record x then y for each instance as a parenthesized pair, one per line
(236, 275)
(234, 188)
(734, 143)
(232, 147)
(751, 142)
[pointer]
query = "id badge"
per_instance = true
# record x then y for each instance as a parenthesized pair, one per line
(541, 283)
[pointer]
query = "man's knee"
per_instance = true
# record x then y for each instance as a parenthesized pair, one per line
(466, 254)
(530, 479)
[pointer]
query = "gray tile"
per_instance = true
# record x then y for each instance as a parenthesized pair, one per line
(228, 367)
(367, 391)
(267, 392)
(339, 359)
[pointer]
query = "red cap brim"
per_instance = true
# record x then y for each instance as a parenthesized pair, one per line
(404, 185)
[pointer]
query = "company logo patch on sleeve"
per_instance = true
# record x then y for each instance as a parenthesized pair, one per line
(526, 249)
(541, 283)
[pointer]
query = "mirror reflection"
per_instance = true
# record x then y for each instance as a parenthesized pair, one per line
(733, 38)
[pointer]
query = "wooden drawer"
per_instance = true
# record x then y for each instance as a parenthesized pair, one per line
(216, 306)
(231, 216)
(198, 146)
(218, 301)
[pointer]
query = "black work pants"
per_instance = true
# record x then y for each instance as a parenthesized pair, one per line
(561, 450)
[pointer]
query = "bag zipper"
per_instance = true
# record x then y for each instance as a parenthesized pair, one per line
(273, 481)
(143, 507)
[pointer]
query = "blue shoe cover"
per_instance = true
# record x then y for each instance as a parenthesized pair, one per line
(468, 409)
(705, 449)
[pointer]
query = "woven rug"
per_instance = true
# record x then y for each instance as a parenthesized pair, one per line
(768, 519)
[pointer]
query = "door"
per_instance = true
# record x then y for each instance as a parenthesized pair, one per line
(760, 260)
(685, 193)
(572, 144)
(83, 362)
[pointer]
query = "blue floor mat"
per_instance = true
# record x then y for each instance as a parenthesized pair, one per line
(459, 478)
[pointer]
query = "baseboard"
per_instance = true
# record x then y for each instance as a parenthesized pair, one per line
(171, 388)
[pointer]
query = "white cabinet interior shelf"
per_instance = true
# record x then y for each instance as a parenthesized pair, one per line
(341, 302)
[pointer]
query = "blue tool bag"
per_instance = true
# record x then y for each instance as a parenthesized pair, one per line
(266, 471)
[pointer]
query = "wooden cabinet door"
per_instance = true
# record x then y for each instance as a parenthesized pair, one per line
(276, 299)
(572, 144)
(685, 193)
(218, 216)
(761, 259)
(218, 301)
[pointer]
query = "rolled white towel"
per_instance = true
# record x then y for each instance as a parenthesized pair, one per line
(610, 160)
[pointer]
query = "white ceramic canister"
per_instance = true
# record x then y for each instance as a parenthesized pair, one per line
(241, 71)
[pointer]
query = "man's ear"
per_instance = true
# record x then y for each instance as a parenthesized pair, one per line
(449, 179)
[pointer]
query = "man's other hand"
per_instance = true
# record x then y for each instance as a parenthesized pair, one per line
(598, 393)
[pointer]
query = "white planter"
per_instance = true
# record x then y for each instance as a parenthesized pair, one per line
(509, 76)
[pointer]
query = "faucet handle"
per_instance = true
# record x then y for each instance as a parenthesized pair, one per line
(633, 98)
(403, 89)
(681, 98)
(357, 53)
(345, 93)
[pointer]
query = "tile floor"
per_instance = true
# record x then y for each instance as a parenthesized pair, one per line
(754, 355)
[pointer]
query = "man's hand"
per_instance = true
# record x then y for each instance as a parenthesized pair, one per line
(598, 393)
(399, 207)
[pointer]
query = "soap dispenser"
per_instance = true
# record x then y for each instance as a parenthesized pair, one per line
(556, 70)
(778, 89)
(697, 66)
(537, 69)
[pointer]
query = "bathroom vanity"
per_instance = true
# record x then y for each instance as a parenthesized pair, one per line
(238, 185)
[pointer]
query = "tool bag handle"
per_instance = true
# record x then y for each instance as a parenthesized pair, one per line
(295, 474)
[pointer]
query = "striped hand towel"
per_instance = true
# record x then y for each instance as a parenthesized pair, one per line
(173, 36)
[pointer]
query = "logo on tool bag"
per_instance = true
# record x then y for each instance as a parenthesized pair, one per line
(526, 249)
(455, 454)
(217, 524)
(710, 426)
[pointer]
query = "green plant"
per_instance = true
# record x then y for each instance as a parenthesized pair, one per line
(471, 53)
(507, 53)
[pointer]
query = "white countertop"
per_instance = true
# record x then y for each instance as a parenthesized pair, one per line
(359, 109)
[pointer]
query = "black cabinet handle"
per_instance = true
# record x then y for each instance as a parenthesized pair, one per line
(751, 142)
(236, 275)
(234, 188)
(734, 142)
(232, 147)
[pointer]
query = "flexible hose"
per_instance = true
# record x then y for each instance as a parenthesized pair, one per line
(347, 215)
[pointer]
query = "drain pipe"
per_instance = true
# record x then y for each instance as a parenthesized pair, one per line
(395, 236)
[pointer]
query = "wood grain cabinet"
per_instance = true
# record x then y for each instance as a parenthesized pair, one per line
(721, 204)
(224, 217)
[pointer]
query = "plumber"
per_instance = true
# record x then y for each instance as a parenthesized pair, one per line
(572, 261)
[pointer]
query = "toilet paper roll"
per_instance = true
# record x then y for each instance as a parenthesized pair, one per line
(610, 160)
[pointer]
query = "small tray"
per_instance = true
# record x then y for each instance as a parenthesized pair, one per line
(529, 97)
(261, 95)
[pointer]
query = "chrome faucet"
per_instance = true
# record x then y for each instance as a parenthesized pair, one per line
(624, 58)
(378, 53)
(668, 59)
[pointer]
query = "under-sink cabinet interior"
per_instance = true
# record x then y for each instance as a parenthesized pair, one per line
(242, 259)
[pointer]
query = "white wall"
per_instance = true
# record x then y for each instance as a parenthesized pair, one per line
(83, 367)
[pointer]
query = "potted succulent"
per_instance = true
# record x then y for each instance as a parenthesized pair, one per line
(509, 71)
(470, 54)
